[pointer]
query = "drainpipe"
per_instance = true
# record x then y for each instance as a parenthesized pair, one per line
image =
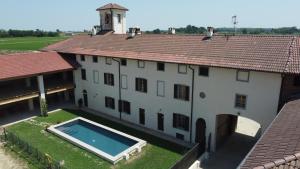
(192, 102)
(120, 96)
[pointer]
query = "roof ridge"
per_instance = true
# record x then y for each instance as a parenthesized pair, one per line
(291, 52)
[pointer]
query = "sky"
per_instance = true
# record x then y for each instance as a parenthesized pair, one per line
(76, 15)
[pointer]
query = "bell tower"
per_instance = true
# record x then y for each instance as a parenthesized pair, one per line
(113, 18)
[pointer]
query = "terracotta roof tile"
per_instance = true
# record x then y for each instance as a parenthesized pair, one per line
(28, 64)
(112, 6)
(280, 142)
(262, 53)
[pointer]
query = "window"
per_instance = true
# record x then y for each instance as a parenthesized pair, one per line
(297, 81)
(110, 102)
(123, 62)
(180, 136)
(242, 75)
(141, 64)
(240, 101)
(124, 81)
(160, 88)
(181, 92)
(160, 66)
(83, 74)
(96, 76)
(109, 79)
(119, 18)
(85, 99)
(95, 59)
(203, 71)
(182, 69)
(141, 85)
(180, 121)
(124, 106)
(108, 61)
(82, 58)
(107, 18)
(142, 116)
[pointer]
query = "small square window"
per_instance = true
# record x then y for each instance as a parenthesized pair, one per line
(182, 69)
(82, 58)
(242, 75)
(240, 101)
(108, 61)
(95, 59)
(203, 71)
(141, 64)
(123, 62)
(109, 79)
(160, 66)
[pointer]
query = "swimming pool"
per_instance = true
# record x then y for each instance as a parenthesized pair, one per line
(105, 142)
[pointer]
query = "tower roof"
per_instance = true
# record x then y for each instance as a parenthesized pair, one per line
(112, 6)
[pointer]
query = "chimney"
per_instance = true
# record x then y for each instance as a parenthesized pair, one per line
(210, 31)
(172, 31)
(131, 32)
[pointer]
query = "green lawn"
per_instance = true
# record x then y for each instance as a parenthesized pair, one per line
(158, 153)
(28, 43)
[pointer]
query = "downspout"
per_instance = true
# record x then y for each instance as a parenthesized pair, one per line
(120, 96)
(192, 102)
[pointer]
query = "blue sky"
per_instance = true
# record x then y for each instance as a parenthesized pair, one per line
(81, 14)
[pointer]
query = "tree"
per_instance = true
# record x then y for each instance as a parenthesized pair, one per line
(157, 31)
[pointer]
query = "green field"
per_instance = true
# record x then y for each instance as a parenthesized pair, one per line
(27, 43)
(157, 154)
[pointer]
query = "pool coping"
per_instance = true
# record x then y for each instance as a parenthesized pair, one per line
(112, 159)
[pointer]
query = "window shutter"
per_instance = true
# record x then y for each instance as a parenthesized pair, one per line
(112, 80)
(186, 124)
(187, 94)
(105, 80)
(137, 84)
(145, 85)
(120, 105)
(175, 91)
(174, 120)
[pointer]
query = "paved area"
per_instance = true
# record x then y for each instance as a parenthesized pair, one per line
(8, 161)
(234, 150)
(231, 153)
(10, 118)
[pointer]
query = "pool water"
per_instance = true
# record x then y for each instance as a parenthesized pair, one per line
(102, 139)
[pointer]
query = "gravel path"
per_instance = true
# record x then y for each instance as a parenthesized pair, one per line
(8, 161)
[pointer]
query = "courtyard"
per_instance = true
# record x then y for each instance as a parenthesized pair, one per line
(33, 132)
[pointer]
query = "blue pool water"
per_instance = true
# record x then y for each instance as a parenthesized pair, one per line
(102, 139)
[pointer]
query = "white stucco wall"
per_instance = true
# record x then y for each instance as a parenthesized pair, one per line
(220, 88)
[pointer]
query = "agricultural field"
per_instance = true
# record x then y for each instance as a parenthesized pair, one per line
(27, 43)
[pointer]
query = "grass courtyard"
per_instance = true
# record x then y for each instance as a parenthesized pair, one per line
(157, 154)
(27, 43)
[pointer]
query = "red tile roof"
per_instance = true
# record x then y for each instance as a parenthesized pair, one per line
(281, 140)
(13, 66)
(262, 53)
(112, 6)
